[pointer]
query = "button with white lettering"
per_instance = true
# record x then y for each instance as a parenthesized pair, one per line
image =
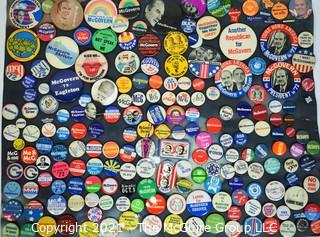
(15, 71)
(257, 65)
(163, 16)
(242, 83)
(279, 42)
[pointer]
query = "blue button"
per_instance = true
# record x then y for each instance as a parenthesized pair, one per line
(244, 109)
(96, 129)
(66, 86)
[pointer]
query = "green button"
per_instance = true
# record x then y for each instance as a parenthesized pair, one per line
(184, 185)
(10, 230)
(215, 223)
(313, 147)
(46, 6)
(198, 175)
(26, 230)
(104, 40)
(147, 188)
(137, 205)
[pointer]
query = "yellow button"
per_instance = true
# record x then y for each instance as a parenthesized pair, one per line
(89, 229)
(175, 42)
(124, 84)
(145, 129)
(128, 221)
(46, 226)
(173, 224)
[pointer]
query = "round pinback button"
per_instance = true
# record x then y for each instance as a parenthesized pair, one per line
(58, 48)
(242, 47)
(93, 16)
(19, 15)
(28, 39)
(233, 69)
(208, 27)
(91, 66)
(163, 16)
(279, 42)
(204, 62)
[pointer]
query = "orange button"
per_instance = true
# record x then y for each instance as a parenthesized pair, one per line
(110, 149)
(155, 81)
(279, 148)
(214, 125)
(279, 11)
(250, 8)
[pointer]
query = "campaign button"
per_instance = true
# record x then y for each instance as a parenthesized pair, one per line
(199, 203)
(250, 8)
(269, 209)
(56, 205)
(204, 62)
(242, 48)
(307, 163)
(12, 210)
(176, 65)
(26, 37)
(65, 86)
(156, 204)
(305, 39)
(304, 61)
(15, 71)
(58, 186)
(216, 223)
(188, 25)
(93, 17)
(279, 50)
(200, 156)
(279, 11)
(65, 46)
(91, 66)
(170, 44)
(147, 188)
(302, 224)
(129, 134)
(139, 28)
(40, 68)
(212, 93)
(12, 190)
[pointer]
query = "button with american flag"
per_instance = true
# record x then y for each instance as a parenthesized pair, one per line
(204, 62)
(304, 60)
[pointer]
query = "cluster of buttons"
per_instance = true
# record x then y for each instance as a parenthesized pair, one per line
(160, 117)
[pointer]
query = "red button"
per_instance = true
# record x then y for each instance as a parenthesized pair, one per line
(156, 204)
(260, 112)
(198, 84)
(315, 227)
(234, 213)
(78, 131)
(29, 155)
(214, 125)
(276, 119)
(200, 156)
(271, 225)
(308, 84)
(290, 132)
(77, 168)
